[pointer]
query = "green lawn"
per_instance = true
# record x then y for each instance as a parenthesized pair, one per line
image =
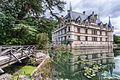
(25, 70)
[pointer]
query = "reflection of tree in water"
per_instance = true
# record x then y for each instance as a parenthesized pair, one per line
(116, 52)
(85, 67)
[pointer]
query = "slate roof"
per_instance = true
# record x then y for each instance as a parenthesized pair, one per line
(74, 15)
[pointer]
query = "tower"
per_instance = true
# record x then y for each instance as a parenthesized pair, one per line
(70, 10)
(110, 33)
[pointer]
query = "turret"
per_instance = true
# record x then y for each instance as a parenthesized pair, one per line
(70, 10)
(109, 23)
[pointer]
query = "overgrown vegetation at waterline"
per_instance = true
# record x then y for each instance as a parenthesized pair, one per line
(45, 72)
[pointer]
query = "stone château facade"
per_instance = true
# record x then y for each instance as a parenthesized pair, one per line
(81, 30)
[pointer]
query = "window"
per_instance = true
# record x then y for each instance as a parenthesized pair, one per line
(101, 39)
(65, 30)
(61, 31)
(94, 38)
(69, 29)
(68, 20)
(92, 32)
(95, 32)
(65, 22)
(68, 36)
(101, 33)
(78, 30)
(65, 37)
(86, 31)
(78, 38)
(86, 38)
(106, 33)
(61, 38)
(106, 39)
(58, 38)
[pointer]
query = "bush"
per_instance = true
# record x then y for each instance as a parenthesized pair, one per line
(42, 40)
(64, 42)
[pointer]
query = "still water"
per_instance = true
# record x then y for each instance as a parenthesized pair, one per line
(90, 64)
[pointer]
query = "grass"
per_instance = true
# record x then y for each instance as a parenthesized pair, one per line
(25, 70)
(20, 69)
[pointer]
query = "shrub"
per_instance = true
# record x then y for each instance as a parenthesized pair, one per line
(42, 40)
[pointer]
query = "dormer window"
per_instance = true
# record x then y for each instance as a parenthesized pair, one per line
(65, 22)
(86, 22)
(78, 20)
(68, 20)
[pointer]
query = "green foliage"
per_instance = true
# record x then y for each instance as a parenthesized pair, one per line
(16, 41)
(90, 72)
(22, 20)
(31, 61)
(6, 25)
(25, 70)
(63, 42)
(116, 39)
(21, 8)
(42, 40)
(23, 34)
(59, 54)
(46, 25)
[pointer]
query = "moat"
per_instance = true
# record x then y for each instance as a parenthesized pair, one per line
(90, 64)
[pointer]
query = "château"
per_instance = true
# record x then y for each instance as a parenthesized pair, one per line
(81, 30)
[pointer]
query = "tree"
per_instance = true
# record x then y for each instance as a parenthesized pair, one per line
(46, 26)
(42, 40)
(22, 20)
(23, 34)
(116, 39)
(22, 8)
(6, 26)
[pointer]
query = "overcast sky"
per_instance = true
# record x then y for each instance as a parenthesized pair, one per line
(104, 8)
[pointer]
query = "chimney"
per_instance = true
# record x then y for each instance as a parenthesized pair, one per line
(84, 12)
(93, 12)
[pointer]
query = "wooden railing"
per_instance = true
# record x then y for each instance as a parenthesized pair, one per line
(12, 54)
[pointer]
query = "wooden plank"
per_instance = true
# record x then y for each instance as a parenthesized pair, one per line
(26, 54)
(1, 71)
(5, 51)
(16, 58)
(15, 53)
(38, 67)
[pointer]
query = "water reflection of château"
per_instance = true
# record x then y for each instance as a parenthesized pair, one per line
(74, 68)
